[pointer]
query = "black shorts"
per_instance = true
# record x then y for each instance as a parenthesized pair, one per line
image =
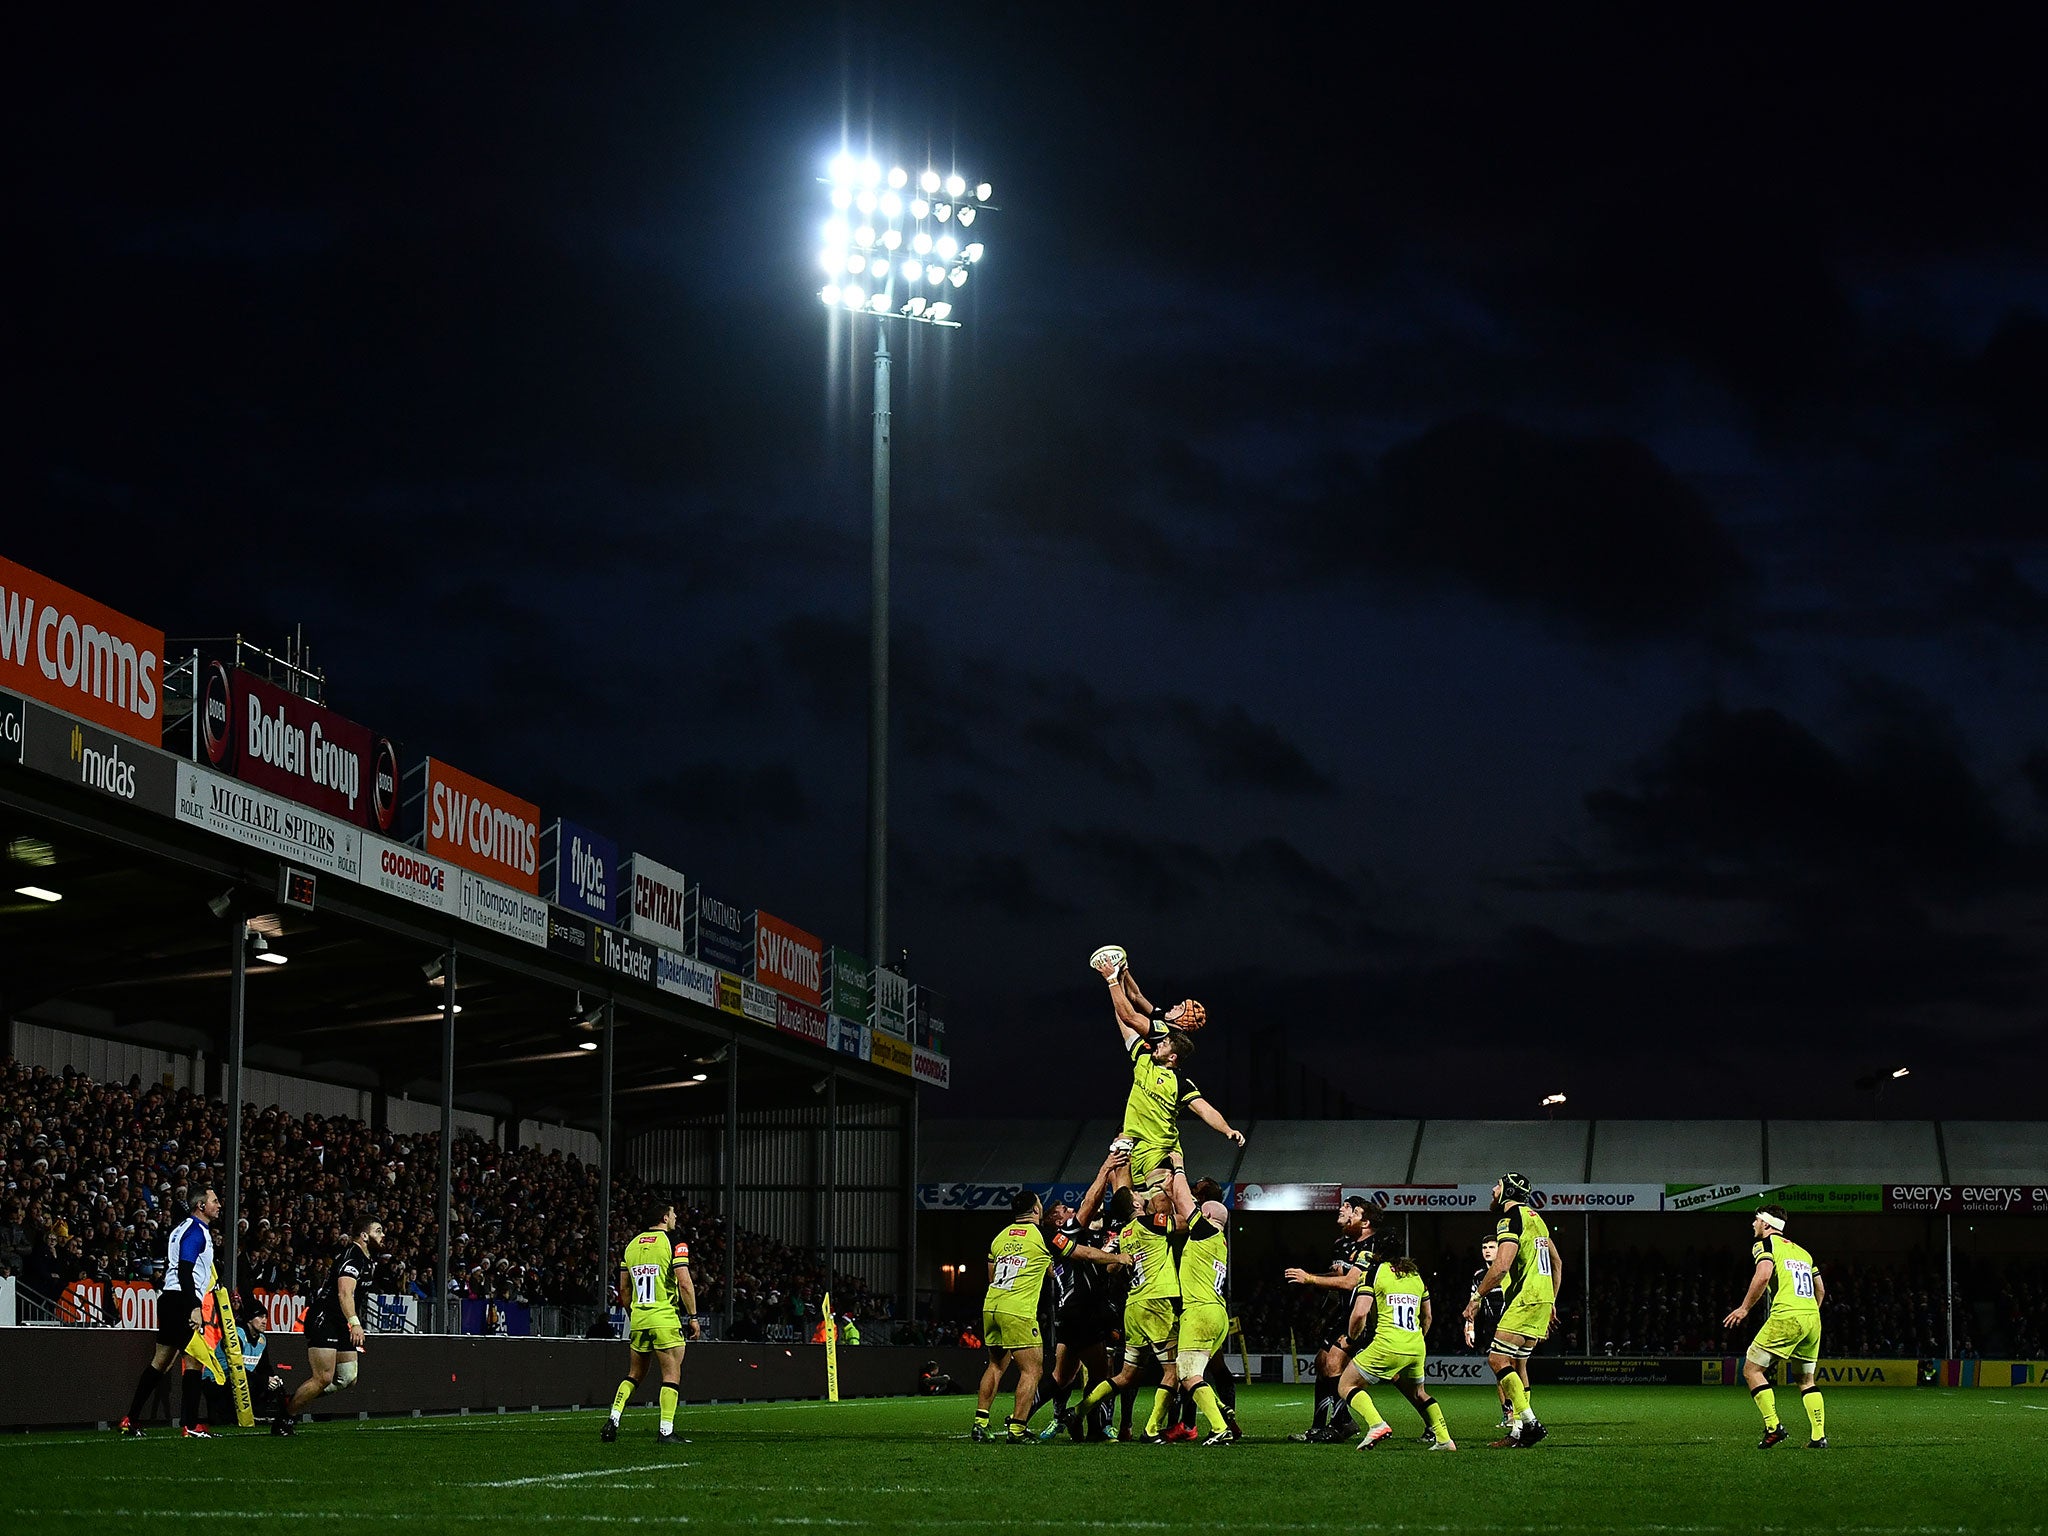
(1081, 1328)
(325, 1330)
(174, 1319)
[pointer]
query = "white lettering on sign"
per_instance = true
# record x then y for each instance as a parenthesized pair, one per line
(304, 752)
(484, 829)
(586, 871)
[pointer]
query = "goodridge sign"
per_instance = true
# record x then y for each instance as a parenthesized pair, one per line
(405, 872)
(276, 740)
(98, 760)
(482, 828)
(788, 959)
(70, 652)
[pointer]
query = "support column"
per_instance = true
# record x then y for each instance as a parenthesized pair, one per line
(447, 1318)
(604, 1135)
(1586, 1286)
(878, 669)
(908, 1142)
(231, 1094)
(1948, 1299)
(729, 1197)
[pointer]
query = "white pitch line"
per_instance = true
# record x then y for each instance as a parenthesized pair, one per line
(571, 1477)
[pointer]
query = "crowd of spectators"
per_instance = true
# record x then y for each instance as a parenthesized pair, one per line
(96, 1174)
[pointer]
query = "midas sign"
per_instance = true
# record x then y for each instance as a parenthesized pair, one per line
(788, 959)
(70, 652)
(482, 828)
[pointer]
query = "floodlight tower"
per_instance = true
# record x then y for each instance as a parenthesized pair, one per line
(892, 251)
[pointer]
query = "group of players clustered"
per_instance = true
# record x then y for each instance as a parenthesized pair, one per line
(1162, 1253)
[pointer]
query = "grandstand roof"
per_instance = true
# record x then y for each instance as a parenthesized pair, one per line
(133, 952)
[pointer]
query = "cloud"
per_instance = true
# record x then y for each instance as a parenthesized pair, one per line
(1075, 723)
(1239, 752)
(1007, 884)
(1594, 531)
(730, 794)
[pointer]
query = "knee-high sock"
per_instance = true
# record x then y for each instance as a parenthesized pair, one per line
(1125, 1404)
(1212, 1410)
(1186, 1407)
(188, 1400)
(1160, 1398)
(145, 1387)
(1340, 1412)
(1362, 1404)
(1816, 1411)
(1766, 1404)
(1433, 1411)
(622, 1397)
(1098, 1393)
(1326, 1399)
(669, 1396)
(1518, 1399)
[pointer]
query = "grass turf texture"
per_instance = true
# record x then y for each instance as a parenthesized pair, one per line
(1652, 1459)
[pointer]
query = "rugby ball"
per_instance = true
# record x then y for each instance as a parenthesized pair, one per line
(1123, 1144)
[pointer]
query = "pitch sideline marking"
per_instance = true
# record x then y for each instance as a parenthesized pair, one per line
(570, 1477)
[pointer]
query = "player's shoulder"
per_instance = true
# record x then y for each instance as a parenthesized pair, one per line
(1510, 1224)
(1762, 1249)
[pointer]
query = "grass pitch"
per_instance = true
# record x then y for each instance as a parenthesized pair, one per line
(1675, 1461)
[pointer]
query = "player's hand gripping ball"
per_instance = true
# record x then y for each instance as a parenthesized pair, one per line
(1123, 1145)
(1189, 1016)
(1108, 961)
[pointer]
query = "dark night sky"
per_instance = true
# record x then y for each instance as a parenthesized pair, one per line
(1485, 547)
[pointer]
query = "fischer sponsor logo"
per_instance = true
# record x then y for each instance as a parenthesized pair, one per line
(105, 771)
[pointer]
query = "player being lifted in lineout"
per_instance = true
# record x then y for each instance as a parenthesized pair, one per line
(1158, 1042)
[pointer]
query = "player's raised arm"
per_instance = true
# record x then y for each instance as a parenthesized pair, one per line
(1207, 1113)
(1329, 1282)
(1131, 1023)
(1092, 1201)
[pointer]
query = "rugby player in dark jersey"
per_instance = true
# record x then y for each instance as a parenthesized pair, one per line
(1081, 1307)
(1358, 1225)
(1479, 1328)
(334, 1325)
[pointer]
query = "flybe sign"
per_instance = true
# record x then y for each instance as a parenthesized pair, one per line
(581, 870)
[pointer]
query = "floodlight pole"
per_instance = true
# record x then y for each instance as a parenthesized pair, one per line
(238, 1002)
(878, 668)
(606, 1285)
(448, 1318)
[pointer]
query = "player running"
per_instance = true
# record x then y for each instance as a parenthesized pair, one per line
(1359, 1224)
(654, 1281)
(1158, 1041)
(1396, 1354)
(1150, 1327)
(1479, 1329)
(188, 1278)
(334, 1326)
(1526, 1265)
(1017, 1263)
(1790, 1333)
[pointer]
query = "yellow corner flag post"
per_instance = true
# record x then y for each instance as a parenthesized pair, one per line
(831, 1353)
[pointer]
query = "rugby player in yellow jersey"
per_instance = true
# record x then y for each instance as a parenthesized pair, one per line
(1792, 1331)
(1157, 1045)
(1527, 1267)
(1017, 1262)
(1396, 1352)
(654, 1282)
(1360, 1225)
(1203, 1272)
(1150, 1326)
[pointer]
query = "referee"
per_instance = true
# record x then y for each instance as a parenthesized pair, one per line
(188, 1277)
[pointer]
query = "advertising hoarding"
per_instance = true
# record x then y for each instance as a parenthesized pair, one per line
(398, 869)
(887, 1051)
(1551, 1199)
(501, 909)
(788, 959)
(724, 935)
(1968, 1199)
(848, 1036)
(102, 761)
(800, 1019)
(581, 870)
(658, 902)
(678, 974)
(759, 1003)
(479, 826)
(848, 992)
(13, 723)
(270, 737)
(263, 820)
(1856, 1199)
(927, 1019)
(928, 1066)
(631, 957)
(62, 649)
(892, 1003)
(568, 934)
(732, 994)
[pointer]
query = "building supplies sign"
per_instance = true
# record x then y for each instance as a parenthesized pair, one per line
(1853, 1199)
(70, 652)
(788, 959)
(725, 935)
(585, 869)
(283, 827)
(274, 739)
(480, 827)
(98, 760)
(657, 901)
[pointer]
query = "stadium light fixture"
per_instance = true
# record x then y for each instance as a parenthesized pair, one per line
(268, 955)
(38, 893)
(1551, 1100)
(586, 1045)
(1903, 1072)
(700, 1077)
(875, 214)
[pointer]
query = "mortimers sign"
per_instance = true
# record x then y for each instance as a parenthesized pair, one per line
(272, 738)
